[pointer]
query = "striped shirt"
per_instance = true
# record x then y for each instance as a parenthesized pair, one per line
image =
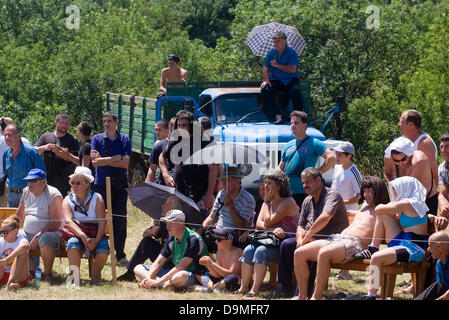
(347, 183)
(244, 203)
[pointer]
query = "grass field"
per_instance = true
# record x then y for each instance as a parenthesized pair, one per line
(137, 222)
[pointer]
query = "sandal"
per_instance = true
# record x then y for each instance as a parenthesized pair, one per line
(249, 296)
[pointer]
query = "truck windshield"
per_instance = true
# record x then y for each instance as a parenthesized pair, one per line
(233, 107)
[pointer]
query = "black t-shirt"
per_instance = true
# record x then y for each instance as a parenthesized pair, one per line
(191, 180)
(58, 170)
(154, 159)
(85, 151)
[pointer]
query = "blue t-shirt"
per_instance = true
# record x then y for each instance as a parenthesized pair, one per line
(120, 145)
(443, 272)
(306, 156)
(289, 57)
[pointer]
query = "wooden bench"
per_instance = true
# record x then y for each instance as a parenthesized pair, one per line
(7, 212)
(417, 270)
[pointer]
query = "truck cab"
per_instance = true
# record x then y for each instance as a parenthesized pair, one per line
(237, 117)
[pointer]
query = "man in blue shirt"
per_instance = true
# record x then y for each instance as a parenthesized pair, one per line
(110, 154)
(280, 73)
(18, 160)
(439, 247)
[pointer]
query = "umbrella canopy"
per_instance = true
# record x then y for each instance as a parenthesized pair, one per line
(149, 197)
(229, 153)
(260, 39)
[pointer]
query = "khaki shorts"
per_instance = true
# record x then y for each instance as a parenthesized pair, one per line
(352, 244)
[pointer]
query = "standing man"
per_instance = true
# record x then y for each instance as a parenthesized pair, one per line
(301, 153)
(280, 73)
(60, 150)
(193, 180)
(83, 131)
(18, 160)
(443, 175)
(110, 156)
(173, 73)
(410, 127)
(411, 162)
(162, 130)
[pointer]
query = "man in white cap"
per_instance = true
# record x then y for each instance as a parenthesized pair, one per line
(185, 247)
(410, 162)
(347, 178)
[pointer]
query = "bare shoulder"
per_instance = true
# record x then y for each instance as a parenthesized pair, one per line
(419, 157)
(289, 204)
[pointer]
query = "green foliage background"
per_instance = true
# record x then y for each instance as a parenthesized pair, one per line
(122, 45)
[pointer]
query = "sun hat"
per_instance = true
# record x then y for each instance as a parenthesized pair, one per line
(85, 171)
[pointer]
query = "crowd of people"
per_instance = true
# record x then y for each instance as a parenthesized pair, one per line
(300, 227)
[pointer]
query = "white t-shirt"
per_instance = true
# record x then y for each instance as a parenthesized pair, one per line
(91, 216)
(347, 183)
(7, 248)
(37, 215)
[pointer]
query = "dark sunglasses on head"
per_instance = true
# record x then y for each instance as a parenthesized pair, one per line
(400, 160)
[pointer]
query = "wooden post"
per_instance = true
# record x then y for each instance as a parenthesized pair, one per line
(111, 230)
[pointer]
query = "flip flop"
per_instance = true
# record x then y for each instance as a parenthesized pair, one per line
(249, 296)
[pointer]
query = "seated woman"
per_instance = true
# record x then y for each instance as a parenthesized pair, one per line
(403, 225)
(280, 214)
(13, 255)
(83, 209)
(224, 272)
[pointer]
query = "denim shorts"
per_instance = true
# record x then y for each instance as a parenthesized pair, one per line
(163, 271)
(257, 253)
(75, 243)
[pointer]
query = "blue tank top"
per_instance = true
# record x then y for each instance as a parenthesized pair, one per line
(406, 221)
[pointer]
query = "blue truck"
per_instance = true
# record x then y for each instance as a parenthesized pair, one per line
(234, 109)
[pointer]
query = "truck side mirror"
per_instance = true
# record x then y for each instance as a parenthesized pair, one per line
(341, 103)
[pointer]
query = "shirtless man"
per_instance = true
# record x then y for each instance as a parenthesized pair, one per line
(410, 162)
(341, 247)
(173, 73)
(410, 127)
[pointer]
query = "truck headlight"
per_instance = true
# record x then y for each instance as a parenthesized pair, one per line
(245, 169)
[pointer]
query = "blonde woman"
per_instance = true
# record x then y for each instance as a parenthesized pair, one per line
(84, 213)
(13, 255)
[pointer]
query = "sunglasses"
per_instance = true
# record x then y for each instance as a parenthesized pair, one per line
(401, 160)
(34, 180)
(4, 232)
(75, 183)
(220, 239)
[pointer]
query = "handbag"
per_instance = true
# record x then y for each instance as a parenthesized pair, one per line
(265, 238)
(90, 229)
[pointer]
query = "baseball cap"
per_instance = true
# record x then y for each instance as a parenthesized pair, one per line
(279, 34)
(345, 147)
(401, 144)
(35, 174)
(172, 215)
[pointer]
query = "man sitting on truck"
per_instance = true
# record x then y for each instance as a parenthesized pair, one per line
(173, 73)
(280, 73)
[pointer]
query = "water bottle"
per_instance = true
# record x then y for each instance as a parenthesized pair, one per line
(205, 282)
(37, 278)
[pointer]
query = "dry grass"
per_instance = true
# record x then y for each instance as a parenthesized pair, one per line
(137, 222)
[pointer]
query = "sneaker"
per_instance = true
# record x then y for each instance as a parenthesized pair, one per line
(365, 254)
(123, 261)
(127, 276)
